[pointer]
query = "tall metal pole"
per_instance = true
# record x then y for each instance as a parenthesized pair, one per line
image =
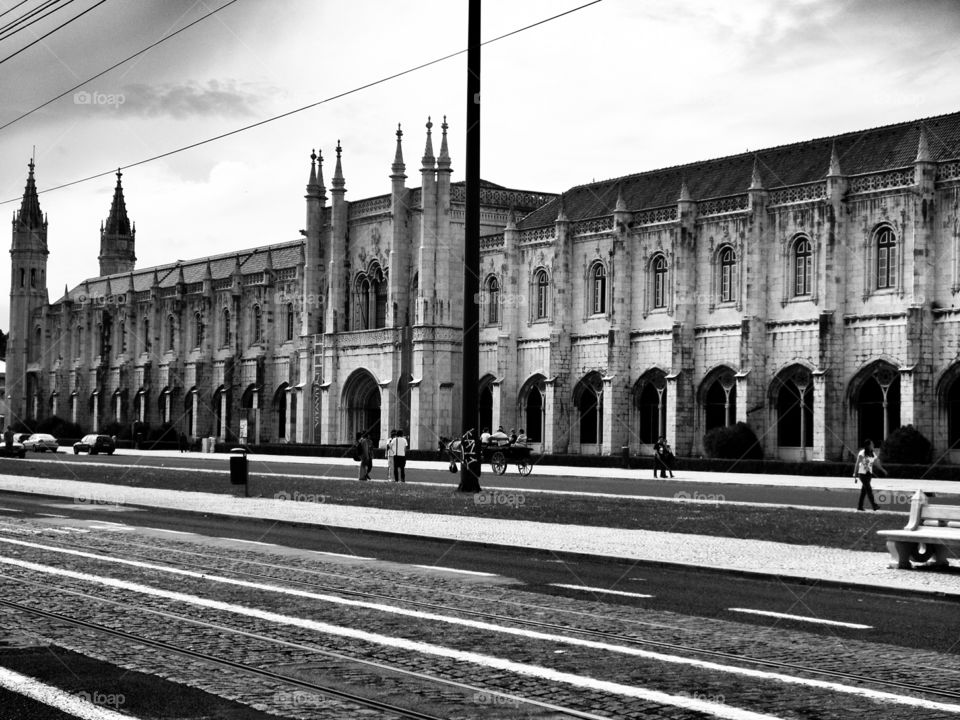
(470, 470)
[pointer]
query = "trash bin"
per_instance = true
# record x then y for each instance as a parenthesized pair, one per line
(625, 455)
(239, 468)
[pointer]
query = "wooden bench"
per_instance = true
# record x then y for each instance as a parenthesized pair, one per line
(928, 534)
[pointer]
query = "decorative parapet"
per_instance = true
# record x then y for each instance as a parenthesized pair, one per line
(881, 181)
(168, 292)
(655, 215)
(949, 170)
(256, 278)
(502, 197)
(808, 192)
(372, 339)
(195, 287)
(370, 206)
(593, 226)
(538, 235)
(287, 274)
(721, 206)
(224, 284)
(491, 242)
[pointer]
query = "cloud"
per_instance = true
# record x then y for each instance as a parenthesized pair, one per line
(189, 100)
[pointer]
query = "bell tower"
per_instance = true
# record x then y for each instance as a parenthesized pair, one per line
(117, 237)
(28, 293)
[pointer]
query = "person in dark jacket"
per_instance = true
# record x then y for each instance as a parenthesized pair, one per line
(662, 457)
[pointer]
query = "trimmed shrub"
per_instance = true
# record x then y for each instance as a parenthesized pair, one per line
(906, 445)
(734, 442)
(60, 428)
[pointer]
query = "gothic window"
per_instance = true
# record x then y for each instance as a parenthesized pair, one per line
(363, 303)
(37, 342)
(598, 287)
(171, 332)
(803, 264)
(541, 285)
(33, 277)
(379, 288)
(290, 319)
(493, 301)
(226, 328)
(728, 265)
(123, 336)
(257, 324)
(79, 350)
(23, 274)
(659, 266)
(886, 259)
(106, 335)
(146, 334)
(197, 330)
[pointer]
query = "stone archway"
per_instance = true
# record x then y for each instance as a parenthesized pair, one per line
(875, 396)
(532, 404)
(360, 407)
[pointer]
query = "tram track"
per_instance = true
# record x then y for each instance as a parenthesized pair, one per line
(737, 659)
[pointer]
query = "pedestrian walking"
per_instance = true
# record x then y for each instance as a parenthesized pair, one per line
(365, 452)
(182, 442)
(866, 466)
(391, 453)
(660, 449)
(400, 457)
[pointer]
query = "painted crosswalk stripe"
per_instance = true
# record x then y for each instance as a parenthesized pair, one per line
(584, 588)
(455, 570)
(4, 509)
(252, 542)
(785, 616)
(343, 555)
(72, 704)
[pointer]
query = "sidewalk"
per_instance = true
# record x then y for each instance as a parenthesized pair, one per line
(844, 567)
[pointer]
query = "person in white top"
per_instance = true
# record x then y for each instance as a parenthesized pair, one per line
(867, 464)
(391, 452)
(400, 446)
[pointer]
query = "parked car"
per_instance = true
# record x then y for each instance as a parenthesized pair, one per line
(15, 450)
(41, 442)
(94, 444)
(20, 437)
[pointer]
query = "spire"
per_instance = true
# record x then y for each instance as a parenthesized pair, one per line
(338, 181)
(444, 161)
(312, 187)
(428, 159)
(207, 272)
(620, 205)
(118, 223)
(684, 191)
(562, 212)
(131, 288)
(755, 182)
(834, 170)
(923, 147)
(398, 166)
(511, 219)
(156, 279)
(30, 215)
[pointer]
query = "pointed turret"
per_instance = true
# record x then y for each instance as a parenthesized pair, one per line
(30, 216)
(923, 147)
(834, 169)
(338, 181)
(443, 163)
(398, 169)
(429, 162)
(620, 205)
(117, 236)
(562, 212)
(755, 182)
(684, 192)
(313, 187)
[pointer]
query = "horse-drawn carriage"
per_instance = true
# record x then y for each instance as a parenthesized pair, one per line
(499, 455)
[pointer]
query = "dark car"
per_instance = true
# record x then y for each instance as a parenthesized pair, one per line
(94, 444)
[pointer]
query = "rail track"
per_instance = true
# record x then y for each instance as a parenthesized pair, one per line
(738, 659)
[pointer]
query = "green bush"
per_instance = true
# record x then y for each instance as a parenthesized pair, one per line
(59, 428)
(906, 445)
(734, 442)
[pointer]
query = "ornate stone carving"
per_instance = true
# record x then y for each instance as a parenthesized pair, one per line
(881, 181)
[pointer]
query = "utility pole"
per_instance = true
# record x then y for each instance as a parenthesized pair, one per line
(470, 469)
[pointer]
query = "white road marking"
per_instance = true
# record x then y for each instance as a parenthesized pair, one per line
(455, 570)
(65, 517)
(343, 555)
(74, 704)
(600, 590)
(867, 693)
(175, 532)
(10, 510)
(716, 709)
(785, 616)
(251, 542)
(110, 522)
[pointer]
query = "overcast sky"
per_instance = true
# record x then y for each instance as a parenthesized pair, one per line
(619, 87)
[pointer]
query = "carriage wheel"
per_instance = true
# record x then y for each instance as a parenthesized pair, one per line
(499, 463)
(524, 467)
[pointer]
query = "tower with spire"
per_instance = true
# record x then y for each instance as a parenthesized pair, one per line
(117, 237)
(28, 295)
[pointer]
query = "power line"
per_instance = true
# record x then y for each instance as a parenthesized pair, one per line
(62, 25)
(116, 65)
(266, 121)
(29, 14)
(11, 9)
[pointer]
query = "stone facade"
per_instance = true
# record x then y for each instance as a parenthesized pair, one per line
(809, 290)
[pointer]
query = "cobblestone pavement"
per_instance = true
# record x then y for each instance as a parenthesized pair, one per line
(319, 626)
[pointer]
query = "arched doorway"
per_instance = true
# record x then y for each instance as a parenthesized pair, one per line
(532, 407)
(718, 398)
(792, 392)
(360, 407)
(249, 430)
(650, 406)
(191, 406)
(876, 400)
(221, 411)
(280, 410)
(485, 403)
(588, 399)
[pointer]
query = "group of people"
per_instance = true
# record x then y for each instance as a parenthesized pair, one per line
(396, 455)
(501, 437)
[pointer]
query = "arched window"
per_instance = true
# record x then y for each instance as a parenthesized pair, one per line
(290, 319)
(363, 303)
(171, 332)
(598, 281)
(197, 330)
(33, 277)
(493, 301)
(123, 335)
(380, 291)
(106, 335)
(257, 324)
(886, 259)
(728, 264)
(146, 334)
(659, 281)
(37, 342)
(802, 264)
(542, 289)
(78, 350)
(225, 334)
